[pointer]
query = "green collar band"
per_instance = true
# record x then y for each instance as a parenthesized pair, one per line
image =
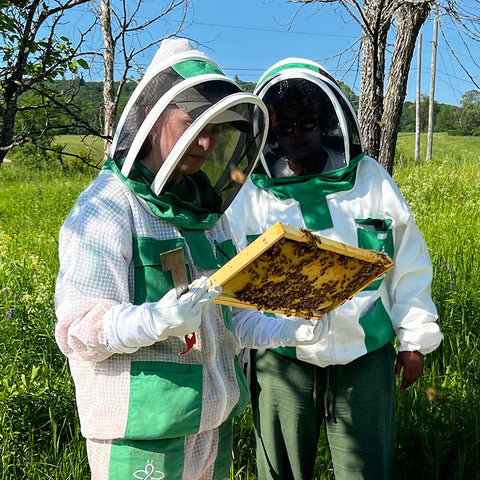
(311, 190)
(190, 220)
(287, 66)
(169, 206)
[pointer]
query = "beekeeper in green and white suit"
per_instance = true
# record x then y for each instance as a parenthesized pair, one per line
(156, 373)
(314, 173)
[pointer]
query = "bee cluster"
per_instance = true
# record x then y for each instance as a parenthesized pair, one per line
(301, 277)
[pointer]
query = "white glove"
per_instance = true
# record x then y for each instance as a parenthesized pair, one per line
(181, 316)
(128, 327)
(255, 330)
(298, 331)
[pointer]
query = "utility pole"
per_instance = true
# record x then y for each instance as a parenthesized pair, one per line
(418, 110)
(432, 88)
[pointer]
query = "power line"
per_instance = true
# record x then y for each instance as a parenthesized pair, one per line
(272, 30)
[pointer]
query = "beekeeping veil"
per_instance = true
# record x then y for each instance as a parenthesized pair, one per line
(182, 77)
(334, 127)
(323, 98)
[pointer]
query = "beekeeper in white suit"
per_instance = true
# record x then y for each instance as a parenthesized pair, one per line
(315, 174)
(155, 401)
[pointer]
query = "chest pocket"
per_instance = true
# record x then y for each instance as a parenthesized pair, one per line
(375, 234)
(151, 281)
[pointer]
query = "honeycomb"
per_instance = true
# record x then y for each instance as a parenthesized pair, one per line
(294, 272)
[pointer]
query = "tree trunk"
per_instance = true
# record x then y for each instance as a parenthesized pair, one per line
(108, 75)
(378, 20)
(409, 18)
(12, 87)
(8, 123)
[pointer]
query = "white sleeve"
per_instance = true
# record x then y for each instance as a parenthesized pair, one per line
(95, 252)
(255, 330)
(413, 313)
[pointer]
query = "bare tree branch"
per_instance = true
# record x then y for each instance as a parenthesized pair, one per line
(460, 63)
(29, 59)
(119, 26)
(376, 17)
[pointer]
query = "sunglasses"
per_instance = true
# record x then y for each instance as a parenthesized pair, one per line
(286, 128)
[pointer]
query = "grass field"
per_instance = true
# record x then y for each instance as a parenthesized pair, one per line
(444, 147)
(74, 143)
(86, 147)
(438, 425)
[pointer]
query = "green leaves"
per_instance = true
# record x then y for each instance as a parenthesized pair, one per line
(23, 384)
(32, 57)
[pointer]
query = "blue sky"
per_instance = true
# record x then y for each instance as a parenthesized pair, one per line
(245, 37)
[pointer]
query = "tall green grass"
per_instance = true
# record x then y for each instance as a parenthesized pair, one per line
(438, 422)
(39, 431)
(438, 426)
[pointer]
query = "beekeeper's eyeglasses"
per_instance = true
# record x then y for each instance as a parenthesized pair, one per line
(285, 128)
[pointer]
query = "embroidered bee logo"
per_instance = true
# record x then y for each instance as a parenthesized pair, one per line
(149, 472)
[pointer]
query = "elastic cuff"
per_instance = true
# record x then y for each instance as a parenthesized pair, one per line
(419, 354)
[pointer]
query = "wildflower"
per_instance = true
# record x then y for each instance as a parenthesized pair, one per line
(9, 313)
(5, 291)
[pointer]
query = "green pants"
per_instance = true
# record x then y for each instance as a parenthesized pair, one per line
(292, 400)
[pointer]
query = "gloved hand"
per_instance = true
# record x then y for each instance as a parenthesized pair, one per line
(255, 330)
(298, 331)
(128, 327)
(181, 316)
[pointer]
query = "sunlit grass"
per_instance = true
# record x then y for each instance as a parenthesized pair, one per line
(439, 418)
(444, 147)
(74, 144)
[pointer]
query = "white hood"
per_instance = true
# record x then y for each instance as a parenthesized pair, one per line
(185, 77)
(343, 134)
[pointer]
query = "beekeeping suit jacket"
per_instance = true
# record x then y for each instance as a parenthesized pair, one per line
(109, 250)
(355, 202)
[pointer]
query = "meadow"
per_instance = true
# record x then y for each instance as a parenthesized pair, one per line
(438, 426)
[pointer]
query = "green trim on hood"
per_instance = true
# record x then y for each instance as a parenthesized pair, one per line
(191, 220)
(287, 66)
(310, 191)
(192, 68)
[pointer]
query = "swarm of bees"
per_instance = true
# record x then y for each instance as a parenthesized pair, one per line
(305, 278)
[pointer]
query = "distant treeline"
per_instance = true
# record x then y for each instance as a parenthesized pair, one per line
(455, 120)
(83, 99)
(87, 101)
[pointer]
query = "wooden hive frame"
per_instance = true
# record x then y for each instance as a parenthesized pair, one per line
(294, 272)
